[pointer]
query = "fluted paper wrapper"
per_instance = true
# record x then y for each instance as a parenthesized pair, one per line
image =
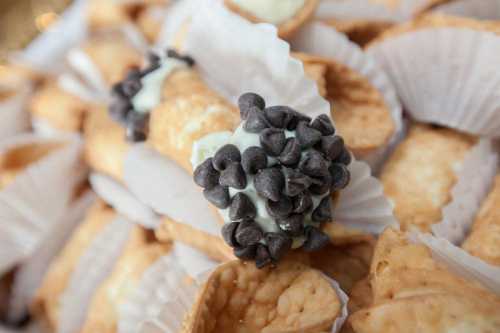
(322, 40)
(30, 274)
(123, 201)
(446, 76)
(34, 201)
(93, 267)
(13, 113)
(483, 10)
(168, 277)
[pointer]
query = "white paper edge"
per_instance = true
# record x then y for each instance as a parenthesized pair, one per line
(13, 113)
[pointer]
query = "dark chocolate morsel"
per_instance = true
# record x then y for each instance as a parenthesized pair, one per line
(272, 141)
(249, 100)
(321, 185)
(302, 203)
(307, 135)
(119, 109)
(332, 146)
(228, 233)
(278, 244)
(280, 208)
(248, 233)
(253, 159)
(297, 117)
(295, 182)
(132, 83)
(134, 135)
(340, 176)
(153, 58)
(269, 182)
(262, 256)
(218, 196)
(245, 252)
(323, 124)
(171, 53)
(137, 126)
(233, 176)
(205, 175)
(242, 208)
(278, 116)
(255, 120)
(323, 213)
(314, 164)
(293, 224)
(226, 155)
(290, 156)
(344, 157)
(315, 239)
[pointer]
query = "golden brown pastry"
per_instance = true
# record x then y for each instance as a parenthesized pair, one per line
(421, 172)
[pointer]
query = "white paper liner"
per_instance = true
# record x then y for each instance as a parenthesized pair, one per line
(170, 316)
(446, 76)
(483, 10)
(124, 202)
(474, 180)
(163, 185)
(159, 284)
(30, 274)
(43, 128)
(461, 262)
(93, 267)
(13, 114)
(36, 198)
(322, 40)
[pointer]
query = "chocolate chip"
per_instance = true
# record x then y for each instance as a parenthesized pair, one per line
(246, 252)
(153, 58)
(295, 182)
(119, 108)
(315, 239)
(233, 176)
(290, 156)
(279, 116)
(225, 156)
(205, 175)
(314, 164)
(321, 185)
(272, 141)
(137, 126)
(249, 100)
(253, 160)
(323, 124)
(134, 135)
(332, 146)
(297, 117)
(278, 244)
(302, 203)
(280, 208)
(228, 230)
(262, 257)
(293, 224)
(323, 213)
(242, 208)
(248, 233)
(340, 176)
(307, 135)
(132, 83)
(255, 120)
(218, 196)
(269, 183)
(344, 157)
(171, 53)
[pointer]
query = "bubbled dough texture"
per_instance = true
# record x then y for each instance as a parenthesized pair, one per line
(287, 28)
(105, 144)
(484, 238)
(421, 172)
(238, 297)
(60, 109)
(413, 293)
(358, 109)
(46, 304)
(189, 111)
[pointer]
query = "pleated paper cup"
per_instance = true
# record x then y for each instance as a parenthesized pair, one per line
(483, 10)
(31, 272)
(36, 198)
(322, 40)
(446, 76)
(13, 113)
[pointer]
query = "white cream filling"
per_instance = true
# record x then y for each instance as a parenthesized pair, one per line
(271, 11)
(150, 94)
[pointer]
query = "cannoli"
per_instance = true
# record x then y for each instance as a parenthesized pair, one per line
(414, 293)
(287, 15)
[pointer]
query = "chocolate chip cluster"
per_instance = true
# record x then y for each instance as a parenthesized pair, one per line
(299, 163)
(121, 108)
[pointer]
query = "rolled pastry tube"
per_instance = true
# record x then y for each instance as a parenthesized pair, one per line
(420, 174)
(484, 238)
